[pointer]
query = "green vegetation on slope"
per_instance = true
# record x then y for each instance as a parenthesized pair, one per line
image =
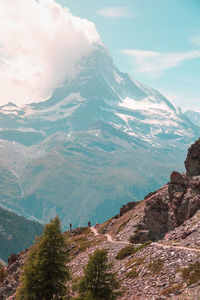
(16, 233)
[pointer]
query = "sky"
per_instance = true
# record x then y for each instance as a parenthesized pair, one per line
(156, 41)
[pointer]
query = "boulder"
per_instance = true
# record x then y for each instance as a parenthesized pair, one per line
(177, 178)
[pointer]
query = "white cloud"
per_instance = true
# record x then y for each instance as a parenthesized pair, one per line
(40, 44)
(115, 12)
(154, 63)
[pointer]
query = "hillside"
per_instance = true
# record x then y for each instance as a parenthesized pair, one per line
(154, 243)
(16, 233)
(101, 140)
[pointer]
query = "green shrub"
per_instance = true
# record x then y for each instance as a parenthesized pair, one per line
(129, 250)
(171, 290)
(192, 273)
(132, 274)
(126, 251)
(156, 266)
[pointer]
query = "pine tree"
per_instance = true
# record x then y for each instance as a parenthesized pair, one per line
(30, 289)
(45, 273)
(98, 282)
(2, 273)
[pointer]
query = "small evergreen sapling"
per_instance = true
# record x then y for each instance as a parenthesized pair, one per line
(98, 282)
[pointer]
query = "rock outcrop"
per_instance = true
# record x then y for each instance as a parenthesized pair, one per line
(127, 207)
(177, 201)
(173, 204)
(192, 162)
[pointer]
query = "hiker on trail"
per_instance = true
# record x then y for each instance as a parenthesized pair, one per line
(70, 226)
(89, 224)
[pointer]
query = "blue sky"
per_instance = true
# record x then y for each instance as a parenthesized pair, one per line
(156, 41)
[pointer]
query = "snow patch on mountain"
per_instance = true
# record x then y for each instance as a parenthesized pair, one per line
(60, 110)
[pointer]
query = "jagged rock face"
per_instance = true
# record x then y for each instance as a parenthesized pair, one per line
(170, 206)
(156, 215)
(177, 207)
(192, 162)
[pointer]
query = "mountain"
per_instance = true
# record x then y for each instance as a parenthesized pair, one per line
(16, 233)
(102, 139)
(194, 116)
(154, 244)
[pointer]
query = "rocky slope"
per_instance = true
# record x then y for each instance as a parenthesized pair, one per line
(103, 139)
(154, 243)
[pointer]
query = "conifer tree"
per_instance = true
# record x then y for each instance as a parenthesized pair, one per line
(98, 282)
(30, 289)
(45, 273)
(2, 273)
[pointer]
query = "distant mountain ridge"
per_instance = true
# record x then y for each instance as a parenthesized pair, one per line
(194, 116)
(101, 140)
(16, 233)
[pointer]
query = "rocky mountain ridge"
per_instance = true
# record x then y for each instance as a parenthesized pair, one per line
(154, 244)
(101, 140)
(194, 116)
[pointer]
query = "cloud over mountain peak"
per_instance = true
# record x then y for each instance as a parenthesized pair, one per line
(41, 42)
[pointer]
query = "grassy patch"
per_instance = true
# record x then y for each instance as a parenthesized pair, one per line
(192, 273)
(122, 226)
(85, 245)
(124, 252)
(135, 261)
(132, 274)
(82, 243)
(129, 250)
(87, 231)
(171, 290)
(156, 266)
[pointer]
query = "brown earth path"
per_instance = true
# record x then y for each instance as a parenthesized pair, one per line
(111, 240)
(108, 236)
